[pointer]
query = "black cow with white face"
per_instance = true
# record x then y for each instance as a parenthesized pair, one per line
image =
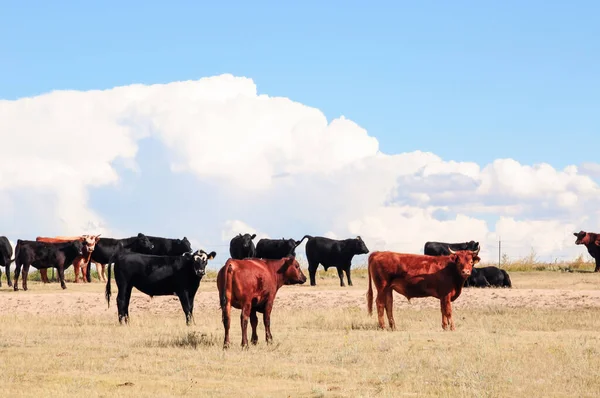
(333, 253)
(441, 248)
(242, 246)
(43, 255)
(6, 252)
(275, 249)
(158, 276)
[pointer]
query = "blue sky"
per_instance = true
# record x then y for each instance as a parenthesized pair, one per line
(469, 81)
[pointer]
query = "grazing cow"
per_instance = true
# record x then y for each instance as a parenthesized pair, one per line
(488, 277)
(417, 275)
(442, 248)
(106, 248)
(241, 246)
(6, 252)
(45, 255)
(251, 285)
(274, 249)
(592, 242)
(158, 276)
(333, 253)
(80, 262)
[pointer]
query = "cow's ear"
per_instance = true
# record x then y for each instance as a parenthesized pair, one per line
(288, 261)
(597, 241)
(476, 259)
(253, 236)
(212, 255)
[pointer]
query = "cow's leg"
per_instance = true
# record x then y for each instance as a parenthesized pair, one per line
(341, 275)
(24, 275)
(597, 269)
(347, 270)
(446, 307)
(246, 309)
(61, 276)
(254, 324)
(312, 272)
(123, 296)
(83, 266)
(226, 313)
(380, 301)
(76, 267)
(389, 308)
(44, 275)
(185, 305)
(1, 277)
(101, 274)
(16, 278)
(7, 269)
(267, 321)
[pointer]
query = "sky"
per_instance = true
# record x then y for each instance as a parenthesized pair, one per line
(399, 122)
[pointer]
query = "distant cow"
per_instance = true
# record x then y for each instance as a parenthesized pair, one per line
(275, 249)
(158, 276)
(106, 248)
(45, 255)
(333, 253)
(592, 242)
(80, 262)
(251, 285)
(416, 275)
(442, 248)
(488, 277)
(6, 252)
(241, 246)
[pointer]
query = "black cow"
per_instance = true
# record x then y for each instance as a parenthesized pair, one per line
(592, 242)
(158, 276)
(6, 252)
(488, 277)
(42, 255)
(169, 246)
(441, 248)
(241, 247)
(106, 248)
(333, 253)
(275, 249)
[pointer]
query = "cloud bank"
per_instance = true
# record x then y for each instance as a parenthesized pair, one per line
(230, 160)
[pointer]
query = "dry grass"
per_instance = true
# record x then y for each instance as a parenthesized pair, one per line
(325, 345)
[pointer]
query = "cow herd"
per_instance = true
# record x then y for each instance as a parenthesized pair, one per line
(250, 278)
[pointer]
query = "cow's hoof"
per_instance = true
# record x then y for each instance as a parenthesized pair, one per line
(16, 289)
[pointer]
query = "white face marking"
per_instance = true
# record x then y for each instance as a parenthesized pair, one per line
(201, 257)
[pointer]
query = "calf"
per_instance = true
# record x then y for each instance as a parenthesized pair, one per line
(333, 253)
(274, 249)
(80, 262)
(416, 275)
(158, 276)
(488, 277)
(442, 248)
(45, 255)
(592, 242)
(241, 246)
(107, 248)
(6, 252)
(251, 285)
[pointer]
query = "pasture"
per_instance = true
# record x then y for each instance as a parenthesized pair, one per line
(540, 338)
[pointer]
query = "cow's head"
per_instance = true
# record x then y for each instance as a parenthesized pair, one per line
(89, 243)
(291, 245)
(358, 246)
(183, 245)
(464, 261)
(78, 246)
(246, 240)
(472, 245)
(585, 238)
(201, 258)
(143, 244)
(291, 272)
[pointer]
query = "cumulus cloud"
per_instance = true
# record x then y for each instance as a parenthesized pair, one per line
(266, 165)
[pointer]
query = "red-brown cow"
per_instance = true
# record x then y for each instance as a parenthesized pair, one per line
(80, 262)
(251, 285)
(416, 275)
(591, 241)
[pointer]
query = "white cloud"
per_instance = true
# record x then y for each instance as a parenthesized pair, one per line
(289, 169)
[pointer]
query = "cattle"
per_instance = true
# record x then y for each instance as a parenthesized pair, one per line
(80, 262)
(45, 255)
(241, 246)
(157, 276)
(251, 285)
(333, 253)
(488, 277)
(106, 248)
(592, 242)
(6, 252)
(417, 275)
(274, 249)
(441, 248)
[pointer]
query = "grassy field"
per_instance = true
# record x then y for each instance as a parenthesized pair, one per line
(58, 343)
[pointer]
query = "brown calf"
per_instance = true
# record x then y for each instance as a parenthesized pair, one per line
(251, 285)
(416, 275)
(80, 262)
(592, 242)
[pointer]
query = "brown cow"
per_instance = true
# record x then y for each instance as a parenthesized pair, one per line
(417, 275)
(592, 242)
(251, 285)
(80, 262)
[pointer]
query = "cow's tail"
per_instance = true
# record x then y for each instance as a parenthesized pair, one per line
(107, 292)
(370, 289)
(298, 242)
(227, 285)
(17, 251)
(507, 281)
